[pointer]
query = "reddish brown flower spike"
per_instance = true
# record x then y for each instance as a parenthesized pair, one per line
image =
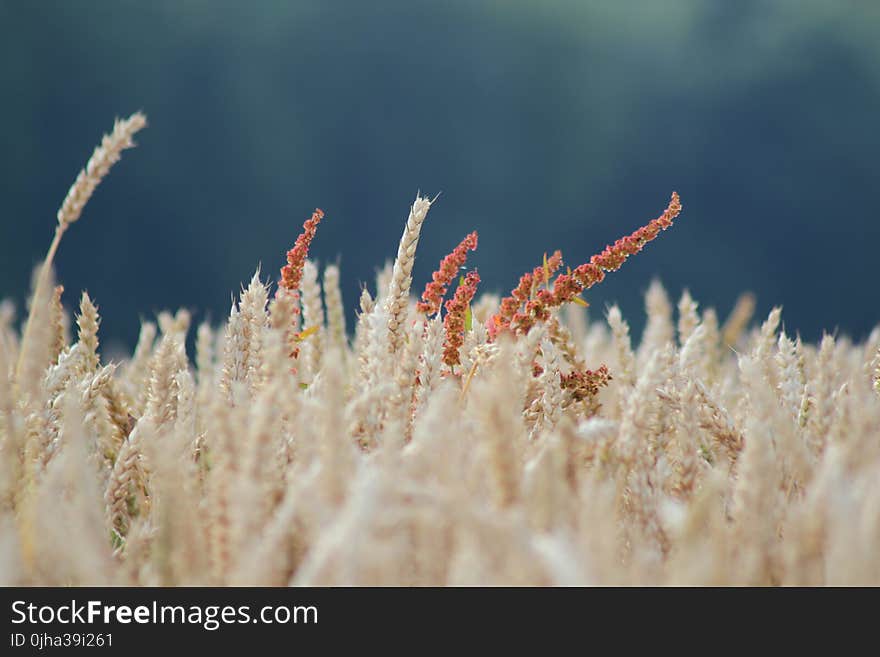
(454, 322)
(432, 297)
(585, 384)
(291, 273)
(568, 286)
(521, 294)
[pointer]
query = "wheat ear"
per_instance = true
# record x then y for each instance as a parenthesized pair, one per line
(401, 277)
(104, 157)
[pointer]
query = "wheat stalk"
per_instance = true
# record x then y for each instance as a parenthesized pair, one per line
(401, 277)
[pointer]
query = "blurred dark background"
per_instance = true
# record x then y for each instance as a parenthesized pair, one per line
(548, 124)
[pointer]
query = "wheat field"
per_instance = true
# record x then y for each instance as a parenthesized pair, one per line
(448, 438)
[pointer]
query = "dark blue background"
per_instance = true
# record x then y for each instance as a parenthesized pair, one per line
(545, 124)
